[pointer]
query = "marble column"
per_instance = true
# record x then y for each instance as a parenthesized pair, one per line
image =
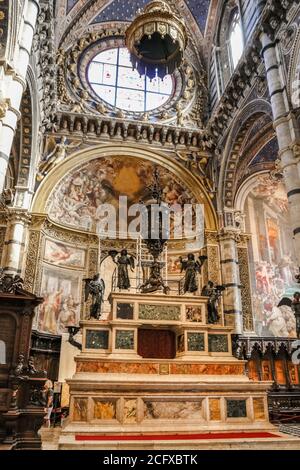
(17, 228)
(13, 85)
(287, 132)
(232, 301)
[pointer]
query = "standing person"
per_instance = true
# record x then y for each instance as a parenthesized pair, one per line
(48, 395)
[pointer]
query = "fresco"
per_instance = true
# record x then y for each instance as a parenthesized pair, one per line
(77, 199)
(64, 255)
(174, 266)
(61, 291)
(272, 257)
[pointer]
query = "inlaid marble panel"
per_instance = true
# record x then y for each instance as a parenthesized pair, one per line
(104, 410)
(218, 343)
(80, 409)
(190, 410)
(130, 411)
(96, 339)
(104, 367)
(259, 408)
(195, 342)
(124, 339)
(215, 409)
(125, 311)
(193, 313)
(159, 312)
(236, 409)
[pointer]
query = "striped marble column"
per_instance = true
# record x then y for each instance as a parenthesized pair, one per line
(231, 279)
(17, 225)
(14, 84)
(287, 133)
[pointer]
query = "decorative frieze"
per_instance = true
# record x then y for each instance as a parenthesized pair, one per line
(247, 313)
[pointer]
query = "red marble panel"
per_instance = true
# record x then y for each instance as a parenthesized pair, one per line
(153, 368)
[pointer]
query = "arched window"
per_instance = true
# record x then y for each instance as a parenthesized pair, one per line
(229, 47)
(235, 39)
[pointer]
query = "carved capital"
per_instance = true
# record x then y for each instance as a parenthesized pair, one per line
(15, 216)
(226, 234)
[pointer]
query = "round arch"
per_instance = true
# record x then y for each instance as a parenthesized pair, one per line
(234, 146)
(103, 150)
(244, 190)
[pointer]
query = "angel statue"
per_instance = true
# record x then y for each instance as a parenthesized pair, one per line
(96, 288)
(123, 261)
(191, 268)
(57, 155)
(213, 293)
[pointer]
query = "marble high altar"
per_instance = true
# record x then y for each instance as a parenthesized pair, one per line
(156, 366)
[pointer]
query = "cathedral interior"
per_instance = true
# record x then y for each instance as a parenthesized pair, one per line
(194, 105)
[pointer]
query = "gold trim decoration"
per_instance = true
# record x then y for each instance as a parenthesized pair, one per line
(31, 260)
(246, 290)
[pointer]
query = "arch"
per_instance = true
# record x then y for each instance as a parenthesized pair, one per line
(35, 124)
(243, 191)
(103, 150)
(234, 148)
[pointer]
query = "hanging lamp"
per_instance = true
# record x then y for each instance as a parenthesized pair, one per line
(156, 40)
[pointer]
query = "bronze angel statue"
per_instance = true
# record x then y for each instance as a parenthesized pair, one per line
(123, 261)
(192, 267)
(95, 288)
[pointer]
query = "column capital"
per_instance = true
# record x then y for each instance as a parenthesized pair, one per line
(18, 215)
(229, 234)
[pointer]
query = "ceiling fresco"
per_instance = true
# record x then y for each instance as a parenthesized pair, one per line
(269, 153)
(124, 10)
(71, 4)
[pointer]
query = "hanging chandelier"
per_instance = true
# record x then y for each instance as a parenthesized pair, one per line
(156, 40)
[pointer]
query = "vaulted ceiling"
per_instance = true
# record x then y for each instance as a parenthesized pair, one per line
(124, 10)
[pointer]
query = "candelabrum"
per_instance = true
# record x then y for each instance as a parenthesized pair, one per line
(73, 330)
